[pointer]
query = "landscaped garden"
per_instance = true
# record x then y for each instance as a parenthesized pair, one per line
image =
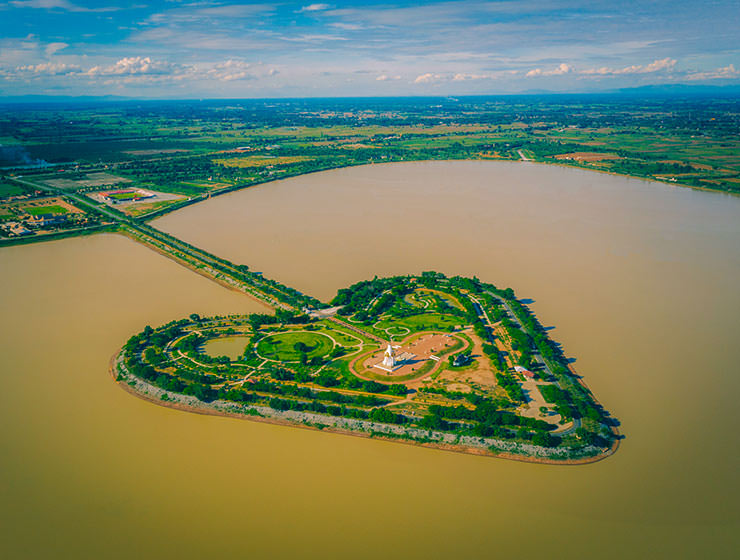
(427, 359)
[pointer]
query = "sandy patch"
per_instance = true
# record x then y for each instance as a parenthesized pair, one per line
(535, 400)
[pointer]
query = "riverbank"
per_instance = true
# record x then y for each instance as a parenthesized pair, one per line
(145, 218)
(79, 232)
(342, 426)
(615, 174)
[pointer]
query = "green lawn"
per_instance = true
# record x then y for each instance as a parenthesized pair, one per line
(421, 322)
(10, 189)
(281, 346)
(125, 196)
(53, 209)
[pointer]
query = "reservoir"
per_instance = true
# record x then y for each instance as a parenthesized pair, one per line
(637, 280)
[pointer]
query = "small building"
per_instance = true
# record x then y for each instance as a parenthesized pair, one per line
(16, 228)
(45, 220)
(461, 359)
(525, 372)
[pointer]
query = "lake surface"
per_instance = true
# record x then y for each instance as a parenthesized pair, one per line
(638, 279)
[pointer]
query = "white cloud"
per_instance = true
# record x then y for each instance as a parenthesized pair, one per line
(658, 65)
(386, 78)
(459, 77)
(195, 13)
(231, 70)
(43, 4)
(58, 5)
(314, 8)
(135, 65)
(52, 48)
(316, 37)
(561, 69)
(665, 64)
(428, 78)
(724, 73)
(347, 26)
(48, 69)
(662, 65)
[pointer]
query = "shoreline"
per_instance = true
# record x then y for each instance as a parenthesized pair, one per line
(147, 218)
(126, 233)
(615, 174)
(468, 450)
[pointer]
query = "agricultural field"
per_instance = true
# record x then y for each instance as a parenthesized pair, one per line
(8, 190)
(210, 148)
(257, 161)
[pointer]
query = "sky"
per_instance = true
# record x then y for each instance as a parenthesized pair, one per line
(220, 49)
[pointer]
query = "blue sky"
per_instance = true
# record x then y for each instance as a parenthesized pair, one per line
(177, 49)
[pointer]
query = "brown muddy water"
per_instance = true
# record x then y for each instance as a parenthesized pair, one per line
(230, 346)
(639, 281)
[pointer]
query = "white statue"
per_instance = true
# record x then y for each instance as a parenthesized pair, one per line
(389, 360)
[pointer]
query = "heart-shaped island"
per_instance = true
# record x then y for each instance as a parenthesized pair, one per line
(447, 362)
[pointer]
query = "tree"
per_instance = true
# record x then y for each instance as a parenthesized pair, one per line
(382, 415)
(545, 440)
(255, 321)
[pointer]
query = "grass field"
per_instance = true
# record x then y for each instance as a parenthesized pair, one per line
(52, 209)
(145, 207)
(260, 161)
(281, 346)
(11, 189)
(125, 196)
(421, 322)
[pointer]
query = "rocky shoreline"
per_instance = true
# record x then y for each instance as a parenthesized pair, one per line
(361, 428)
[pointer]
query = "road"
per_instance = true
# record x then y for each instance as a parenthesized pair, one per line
(177, 249)
(537, 356)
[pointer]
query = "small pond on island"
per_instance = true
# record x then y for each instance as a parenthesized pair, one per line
(229, 346)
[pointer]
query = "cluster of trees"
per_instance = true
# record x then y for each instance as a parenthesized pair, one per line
(376, 414)
(359, 296)
(460, 359)
(569, 405)
(494, 355)
(486, 420)
(277, 403)
(172, 172)
(645, 168)
(520, 341)
(511, 386)
(280, 292)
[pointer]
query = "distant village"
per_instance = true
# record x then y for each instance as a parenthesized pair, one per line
(33, 212)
